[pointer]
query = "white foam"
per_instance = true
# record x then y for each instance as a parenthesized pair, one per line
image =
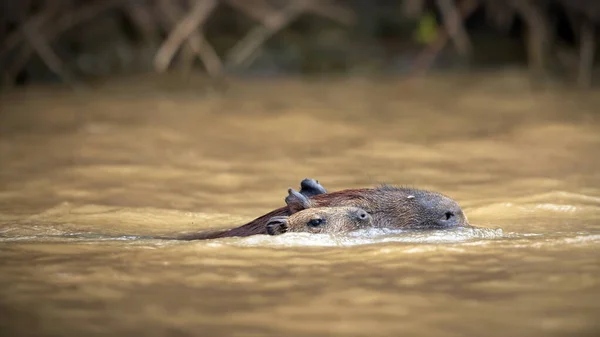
(370, 236)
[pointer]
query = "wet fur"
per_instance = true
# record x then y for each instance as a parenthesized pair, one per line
(336, 220)
(390, 207)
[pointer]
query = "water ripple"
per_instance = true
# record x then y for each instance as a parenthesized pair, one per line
(371, 236)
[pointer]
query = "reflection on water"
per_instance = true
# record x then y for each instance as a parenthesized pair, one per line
(86, 179)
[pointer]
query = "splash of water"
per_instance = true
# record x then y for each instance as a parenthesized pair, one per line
(371, 236)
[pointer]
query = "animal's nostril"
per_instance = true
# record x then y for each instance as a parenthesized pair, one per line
(448, 215)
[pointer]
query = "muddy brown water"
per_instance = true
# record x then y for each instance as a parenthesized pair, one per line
(82, 173)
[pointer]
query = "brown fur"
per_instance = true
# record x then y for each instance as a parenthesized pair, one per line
(390, 207)
(321, 220)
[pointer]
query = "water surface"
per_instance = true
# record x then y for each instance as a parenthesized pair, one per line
(84, 176)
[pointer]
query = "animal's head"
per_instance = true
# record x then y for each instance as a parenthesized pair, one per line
(393, 207)
(306, 218)
(412, 208)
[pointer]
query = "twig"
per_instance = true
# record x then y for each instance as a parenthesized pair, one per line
(240, 53)
(16, 37)
(169, 14)
(274, 20)
(196, 44)
(586, 50)
(13, 69)
(425, 58)
(79, 15)
(454, 27)
(46, 53)
(258, 10)
(538, 37)
(140, 14)
(182, 31)
(67, 20)
(33, 27)
(333, 11)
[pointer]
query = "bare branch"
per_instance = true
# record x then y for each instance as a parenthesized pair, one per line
(46, 53)
(538, 37)
(333, 11)
(586, 51)
(141, 15)
(453, 23)
(247, 46)
(33, 31)
(67, 21)
(182, 31)
(426, 57)
(258, 10)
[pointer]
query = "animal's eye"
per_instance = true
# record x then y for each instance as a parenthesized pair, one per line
(315, 222)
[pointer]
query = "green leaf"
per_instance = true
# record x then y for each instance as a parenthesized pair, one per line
(427, 29)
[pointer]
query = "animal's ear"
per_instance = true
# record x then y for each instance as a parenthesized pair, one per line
(310, 187)
(296, 201)
(277, 225)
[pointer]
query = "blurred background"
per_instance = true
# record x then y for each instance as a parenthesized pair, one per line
(79, 40)
(121, 120)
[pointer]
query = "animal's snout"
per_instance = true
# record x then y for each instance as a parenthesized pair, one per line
(453, 218)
